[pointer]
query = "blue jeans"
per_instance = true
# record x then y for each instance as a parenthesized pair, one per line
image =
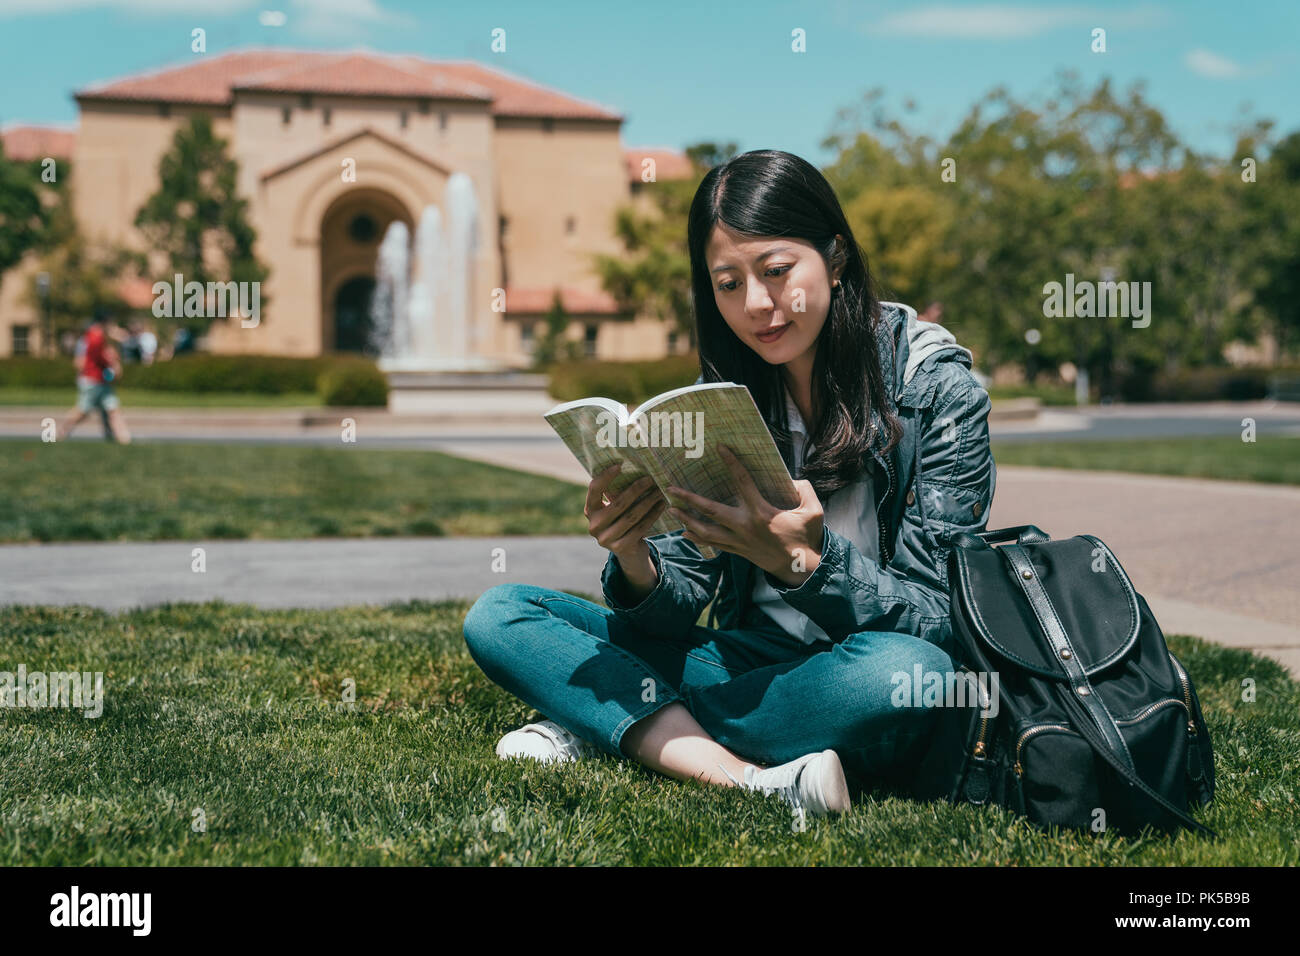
(759, 692)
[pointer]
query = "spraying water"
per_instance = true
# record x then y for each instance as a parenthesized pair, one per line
(425, 321)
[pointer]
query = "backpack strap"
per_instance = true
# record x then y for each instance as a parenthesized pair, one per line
(1089, 732)
(1065, 654)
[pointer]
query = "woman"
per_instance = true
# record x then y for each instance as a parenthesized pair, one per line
(824, 610)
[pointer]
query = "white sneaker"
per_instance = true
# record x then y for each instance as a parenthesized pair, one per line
(545, 741)
(814, 782)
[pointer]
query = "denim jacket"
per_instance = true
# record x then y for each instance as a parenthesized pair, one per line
(938, 481)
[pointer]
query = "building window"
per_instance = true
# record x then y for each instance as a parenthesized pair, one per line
(528, 337)
(305, 100)
(403, 118)
(425, 106)
(164, 110)
(672, 342)
(286, 116)
(362, 229)
(21, 344)
(589, 340)
(548, 125)
(442, 120)
(570, 225)
(326, 115)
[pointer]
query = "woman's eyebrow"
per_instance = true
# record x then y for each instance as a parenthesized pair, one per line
(758, 258)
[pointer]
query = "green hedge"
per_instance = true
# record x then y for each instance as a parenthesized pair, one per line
(1209, 384)
(628, 382)
(343, 376)
(356, 382)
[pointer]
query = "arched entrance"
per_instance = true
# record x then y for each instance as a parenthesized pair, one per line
(351, 230)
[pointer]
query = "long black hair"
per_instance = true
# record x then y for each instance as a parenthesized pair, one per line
(765, 194)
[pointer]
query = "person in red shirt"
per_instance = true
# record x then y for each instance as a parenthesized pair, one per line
(98, 367)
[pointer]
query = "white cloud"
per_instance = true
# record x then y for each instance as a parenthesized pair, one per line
(1210, 64)
(338, 19)
(218, 7)
(1001, 21)
(322, 17)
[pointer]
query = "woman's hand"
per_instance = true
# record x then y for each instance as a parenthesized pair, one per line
(784, 543)
(621, 525)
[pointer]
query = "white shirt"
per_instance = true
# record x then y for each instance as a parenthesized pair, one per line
(850, 512)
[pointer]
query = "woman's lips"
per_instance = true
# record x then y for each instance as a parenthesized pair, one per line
(773, 335)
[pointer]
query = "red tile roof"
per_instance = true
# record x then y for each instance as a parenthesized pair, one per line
(669, 163)
(25, 143)
(537, 301)
(214, 80)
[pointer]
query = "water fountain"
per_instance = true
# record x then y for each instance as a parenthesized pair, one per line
(424, 316)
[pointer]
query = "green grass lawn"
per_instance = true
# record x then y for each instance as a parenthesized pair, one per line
(235, 712)
(77, 491)
(154, 398)
(1270, 459)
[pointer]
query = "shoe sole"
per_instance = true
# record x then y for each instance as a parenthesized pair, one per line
(831, 786)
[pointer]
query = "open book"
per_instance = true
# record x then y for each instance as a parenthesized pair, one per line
(674, 438)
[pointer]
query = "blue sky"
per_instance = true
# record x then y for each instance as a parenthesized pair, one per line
(683, 72)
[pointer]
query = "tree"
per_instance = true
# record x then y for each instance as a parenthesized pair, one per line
(83, 276)
(1274, 204)
(197, 217)
(654, 273)
(555, 345)
(1087, 182)
(23, 217)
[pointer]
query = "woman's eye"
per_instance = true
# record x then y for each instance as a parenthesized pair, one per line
(774, 272)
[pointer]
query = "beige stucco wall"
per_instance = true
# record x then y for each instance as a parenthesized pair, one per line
(535, 174)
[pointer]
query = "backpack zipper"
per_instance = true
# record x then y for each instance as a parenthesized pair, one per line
(1150, 709)
(1141, 715)
(1036, 729)
(984, 722)
(1187, 694)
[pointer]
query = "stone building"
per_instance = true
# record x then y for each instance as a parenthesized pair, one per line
(548, 170)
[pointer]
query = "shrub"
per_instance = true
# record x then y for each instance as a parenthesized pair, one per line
(628, 382)
(353, 382)
(1206, 384)
(31, 372)
(349, 376)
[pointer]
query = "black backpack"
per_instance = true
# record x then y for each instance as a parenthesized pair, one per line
(1089, 722)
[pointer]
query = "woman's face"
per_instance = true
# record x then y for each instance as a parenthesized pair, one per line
(770, 285)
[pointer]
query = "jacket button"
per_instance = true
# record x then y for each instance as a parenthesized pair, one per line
(911, 496)
(977, 509)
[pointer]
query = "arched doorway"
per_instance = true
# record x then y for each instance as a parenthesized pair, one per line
(352, 315)
(351, 230)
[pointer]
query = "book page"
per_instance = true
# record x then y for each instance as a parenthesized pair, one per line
(682, 432)
(587, 427)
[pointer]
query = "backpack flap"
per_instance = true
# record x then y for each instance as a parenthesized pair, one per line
(1092, 596)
